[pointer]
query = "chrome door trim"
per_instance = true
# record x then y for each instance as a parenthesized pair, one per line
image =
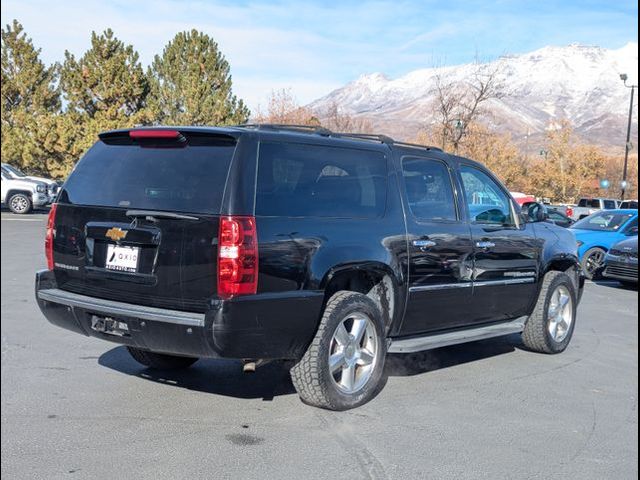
(510, 281)
(442, 286)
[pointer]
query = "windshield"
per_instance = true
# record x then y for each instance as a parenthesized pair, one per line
(12, 171)
(603, 221)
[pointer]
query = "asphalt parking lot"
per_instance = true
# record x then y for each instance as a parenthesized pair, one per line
(76, 407)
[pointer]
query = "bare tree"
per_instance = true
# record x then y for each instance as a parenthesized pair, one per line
(284, 109)
(335, 120)
(458, 104)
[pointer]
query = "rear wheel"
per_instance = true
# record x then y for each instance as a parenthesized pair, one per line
(593, 262)
(550, 327)
(343, 366)
(20, 203)
(160, 361)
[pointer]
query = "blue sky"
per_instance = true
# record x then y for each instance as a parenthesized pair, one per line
(314, 47)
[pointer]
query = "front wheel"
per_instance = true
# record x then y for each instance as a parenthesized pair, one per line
(20, 203)
(343, 366)
(550, 327)
(593, 262)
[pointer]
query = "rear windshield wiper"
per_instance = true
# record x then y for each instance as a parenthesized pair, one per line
(155, 214)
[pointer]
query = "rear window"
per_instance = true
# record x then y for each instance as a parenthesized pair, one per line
(317, 181)
(187, 179)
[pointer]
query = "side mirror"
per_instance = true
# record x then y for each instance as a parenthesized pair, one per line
(535, 212)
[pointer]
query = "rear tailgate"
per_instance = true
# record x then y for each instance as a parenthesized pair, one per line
(137, 221)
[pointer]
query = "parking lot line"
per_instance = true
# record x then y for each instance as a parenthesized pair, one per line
(22, 219)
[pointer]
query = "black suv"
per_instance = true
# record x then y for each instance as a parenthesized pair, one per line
(327, 250)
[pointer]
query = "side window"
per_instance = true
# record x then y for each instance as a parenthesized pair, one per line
(486, 201)
(429, 190)
(610, 204)
(631, 225)
(315, 181)
(582, 202)
(595, 203)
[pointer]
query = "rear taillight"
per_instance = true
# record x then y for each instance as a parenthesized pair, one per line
(569, 212)
(49, 235)
(237, 256)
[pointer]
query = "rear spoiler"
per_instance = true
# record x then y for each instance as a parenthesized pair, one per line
(165, 137)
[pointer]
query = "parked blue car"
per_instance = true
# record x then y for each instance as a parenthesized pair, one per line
(597, 233)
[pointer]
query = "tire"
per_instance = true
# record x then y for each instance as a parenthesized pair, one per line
(20, 203)
(160, 361)
(537, 335)
(353, 381)
(593, 263)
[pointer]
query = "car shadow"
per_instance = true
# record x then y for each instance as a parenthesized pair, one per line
(225, 377)
(615, 284)
(215, 376)
(402, 365)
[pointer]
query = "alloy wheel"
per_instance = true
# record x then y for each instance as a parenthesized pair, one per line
(560, 313)
(353, 352)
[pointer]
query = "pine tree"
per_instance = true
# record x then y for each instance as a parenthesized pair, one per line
(191, 84)
(30, 100)
(108, 80)
(27, 83)
(105, 89)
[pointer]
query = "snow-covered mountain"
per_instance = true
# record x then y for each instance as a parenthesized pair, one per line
(579, 83)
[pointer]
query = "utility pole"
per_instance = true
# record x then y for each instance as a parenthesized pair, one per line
(627, 147)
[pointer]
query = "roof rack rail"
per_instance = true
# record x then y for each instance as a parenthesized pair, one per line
(366, 136)
(417, 145)
(325, 132)
(384, 139)
(283, 126)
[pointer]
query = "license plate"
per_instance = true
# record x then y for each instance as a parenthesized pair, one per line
(121, 258)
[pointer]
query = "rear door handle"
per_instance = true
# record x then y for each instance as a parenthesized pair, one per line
(485, 244)
(423, 244)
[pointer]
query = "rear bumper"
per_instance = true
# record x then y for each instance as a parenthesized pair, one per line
(269, 326)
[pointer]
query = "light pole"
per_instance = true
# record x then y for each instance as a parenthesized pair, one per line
(627, 147)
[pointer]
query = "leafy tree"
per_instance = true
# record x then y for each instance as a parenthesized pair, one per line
(191, 84)
(30, 99)
(568, 169)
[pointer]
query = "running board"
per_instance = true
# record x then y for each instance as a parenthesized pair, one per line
(428, 342)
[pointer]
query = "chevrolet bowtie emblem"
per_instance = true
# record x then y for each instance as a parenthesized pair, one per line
(116, 234)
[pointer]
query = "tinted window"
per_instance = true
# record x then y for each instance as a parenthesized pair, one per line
(610, 204)
(429, 190)
(594, 203)
(486, 201)
(188, 179)
(316, 181)
(582, 202)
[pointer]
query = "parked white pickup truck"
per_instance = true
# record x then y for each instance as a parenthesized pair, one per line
(22, 194)
(17, 174)
(587, 206)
